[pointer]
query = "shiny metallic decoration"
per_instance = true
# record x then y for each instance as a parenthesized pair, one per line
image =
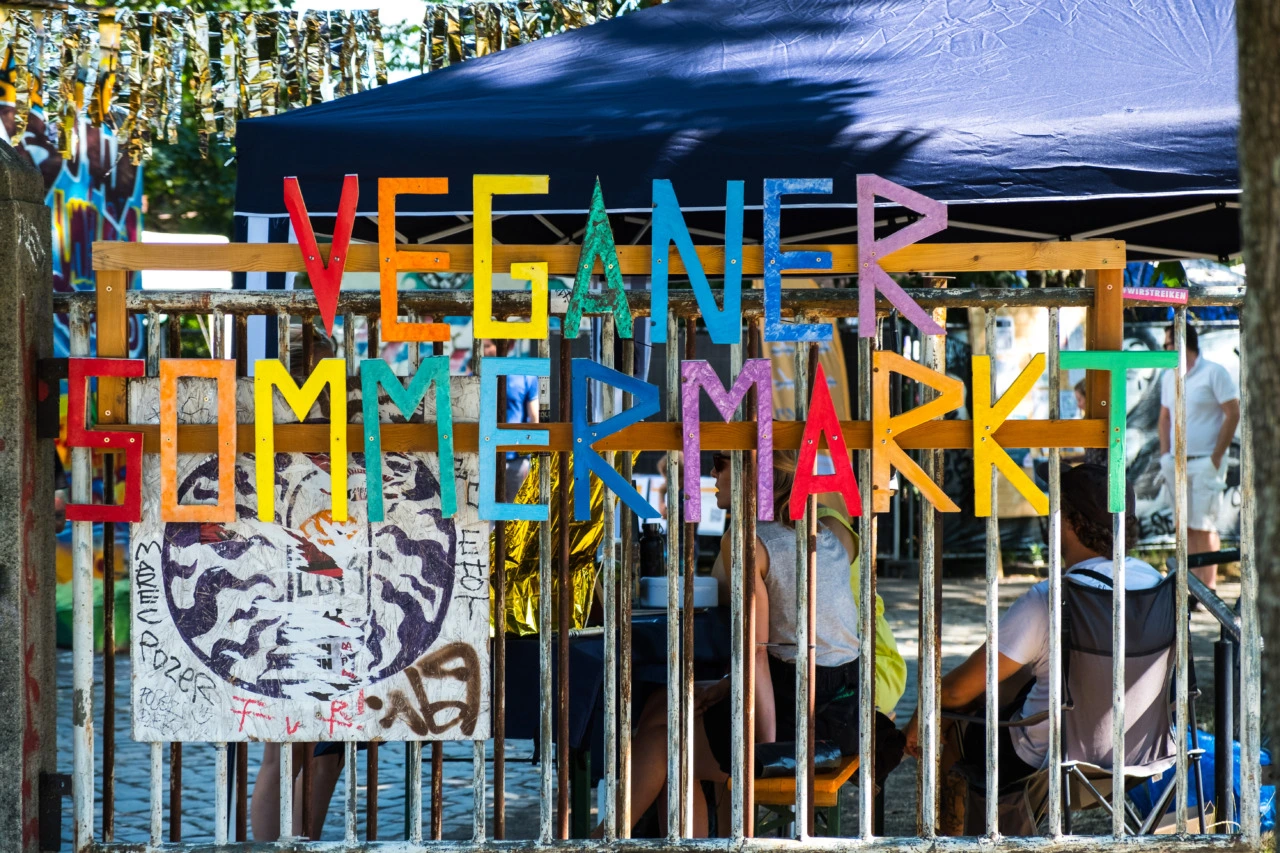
(133, 97)
(362, 75)
(379, 54)
(101, 106)
(531, 20)
(44, 64)
(439, 36)
(63, 122)
(289, 51)
(157, 81)
(196, 31)
(311, 57)
(339, 59)
(173, 81)
(510, 20)
(453, 25)
(268, 61)
(467, 29)
(485, 42)
(229, 78)
(251, 72)
(20, 45)
(523, 558)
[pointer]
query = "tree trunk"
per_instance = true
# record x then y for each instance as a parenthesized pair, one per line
(1258, 23)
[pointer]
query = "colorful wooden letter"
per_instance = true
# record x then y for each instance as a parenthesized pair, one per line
(392, 260)
(698, 376)
(777, 261)
(1116, 363)
(375, 372)
(326, 279)
(885, 429)
(586, 460)
(822, 423)
(987, 452)
(491, 438)
(871, 276)
(483, 188)
(271, 374)
(598, 243)
(79, 371)
(724, 325)
(224, 372)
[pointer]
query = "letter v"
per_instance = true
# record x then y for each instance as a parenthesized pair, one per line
(326, 279)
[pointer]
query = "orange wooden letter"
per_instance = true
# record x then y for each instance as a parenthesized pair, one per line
(392, 260)
(224, 372)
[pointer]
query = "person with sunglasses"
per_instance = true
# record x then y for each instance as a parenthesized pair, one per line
(836, 646)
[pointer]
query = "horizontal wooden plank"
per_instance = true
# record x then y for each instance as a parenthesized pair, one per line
(635, 260)
(403, 438)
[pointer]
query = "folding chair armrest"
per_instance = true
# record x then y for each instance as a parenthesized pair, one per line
(1032, 720)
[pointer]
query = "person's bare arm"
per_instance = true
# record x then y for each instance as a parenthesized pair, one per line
(961, 686)
(766, 722)
(1166, 430)
(531, 411)
(1231, 410)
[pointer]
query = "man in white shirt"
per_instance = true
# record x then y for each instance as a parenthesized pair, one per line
(1024, 640)
(1213, 412)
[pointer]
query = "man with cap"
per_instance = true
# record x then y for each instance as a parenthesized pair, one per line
(1024, 638)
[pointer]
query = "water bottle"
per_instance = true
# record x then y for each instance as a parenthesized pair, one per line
(653, 548)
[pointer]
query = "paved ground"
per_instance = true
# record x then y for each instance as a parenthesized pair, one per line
(962, 632)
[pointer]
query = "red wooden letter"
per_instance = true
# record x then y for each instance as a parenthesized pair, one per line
(326, 279)
(79, 371)
(822, 423)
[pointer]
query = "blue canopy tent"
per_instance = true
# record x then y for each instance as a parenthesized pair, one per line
(1032, 119)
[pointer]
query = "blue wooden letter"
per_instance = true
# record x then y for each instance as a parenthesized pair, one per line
(586, 460)
(491, 438)
(776, 260)
(375, 372)
(723, 324)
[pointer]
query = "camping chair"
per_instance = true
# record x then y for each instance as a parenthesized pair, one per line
(1150, 749)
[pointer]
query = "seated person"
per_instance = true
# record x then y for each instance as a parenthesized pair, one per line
(1024, 643)
(835, 685)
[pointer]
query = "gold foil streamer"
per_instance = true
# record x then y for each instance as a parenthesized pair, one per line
(424, 43)
(229, 78)
(379, 55)
(513, 33)
(531, 20)
(21, 47)
(196, 29)
(289, 51)
(128, 76)
(101, 107)
(483, 35)
(44, 62)
(87, 62)
(268, 25)
(135, 125)
(176, 55)
(467, 29)
(339, 59)
(605, 10)
(312, 57)
(362, 76)
(157, 90)
(64, 120)
(439, 37)
(251, 68)
(522, 563)
(453, 23)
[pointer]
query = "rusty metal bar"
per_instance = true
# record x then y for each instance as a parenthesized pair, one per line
(153, 343)
(175, 792)
(282, 340)
(1182, 642)
(173, 340)
(689, 548)
(1251, 647)
(804, 637)
(498, 579)
(218, 334)
(626, 587)
(749, 649)
(308, 762)
(349, 343)
(1055, 586)
(242, 792)
(373, 346)
(240, 324)
(565, 621)
(108, 656)
(610, 585)
(352, 795)
(675, 744)
(867, 565)
(545, 568)
(992, 615)
(743, 650)
(371, 792)
(437, 790)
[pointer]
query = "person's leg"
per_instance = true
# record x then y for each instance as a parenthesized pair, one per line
(648, 757)
(1199, 542)
(706, 768)
(325, 770)
(264, 808)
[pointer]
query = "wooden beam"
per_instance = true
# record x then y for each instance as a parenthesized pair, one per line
(113, 342)
(562, 260)
(716, 435)
(1104, 331)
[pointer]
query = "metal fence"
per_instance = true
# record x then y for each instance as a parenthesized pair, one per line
(616, 817)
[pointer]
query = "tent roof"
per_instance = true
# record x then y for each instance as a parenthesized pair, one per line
(1047, 118)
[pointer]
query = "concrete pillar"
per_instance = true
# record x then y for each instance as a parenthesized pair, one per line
(28, 742)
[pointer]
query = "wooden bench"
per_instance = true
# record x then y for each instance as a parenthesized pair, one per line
(778, 796)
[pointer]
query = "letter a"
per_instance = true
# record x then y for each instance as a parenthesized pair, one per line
(822, 423)
(987, 452)
(871, 276)
(598, 243)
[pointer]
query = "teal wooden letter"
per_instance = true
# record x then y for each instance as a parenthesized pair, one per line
(375, 372)
(491, 438)
(724, 325)
(1116, 363)
(598, 243)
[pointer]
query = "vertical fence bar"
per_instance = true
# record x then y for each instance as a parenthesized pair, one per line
(743, 651)
(153, 343)
(308, 755)
(437, 790)
(218, 335)
(804, 641)
(349, 342)
(749, 649)
(675, 745)
(173, 337)
(242, 792)
(625, 589)
(82, 616)
(565, 621)
(498, 580)
(371, 792)
(547, 801)
(175, 792)
(373, 346)
(1055, 585)
(992, 616)
(934, 355)
(1251, 647)
(1181, 701)
(1117, 672)
(610, 614)
(867, 563)
(352, 798)
(240, 322)
(221, 795)
(282, 339)
(109, 649)
(689, 548)
(286, 792)
(413, 757)
(477, 785)
(157, 801)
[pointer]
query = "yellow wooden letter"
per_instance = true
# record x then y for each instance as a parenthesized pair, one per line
(885, 429)
(393, 260)
(986, 420)
(269, 375)
(484, 187)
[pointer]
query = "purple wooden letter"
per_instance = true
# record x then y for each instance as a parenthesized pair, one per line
(699, 375)
(871, 276)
